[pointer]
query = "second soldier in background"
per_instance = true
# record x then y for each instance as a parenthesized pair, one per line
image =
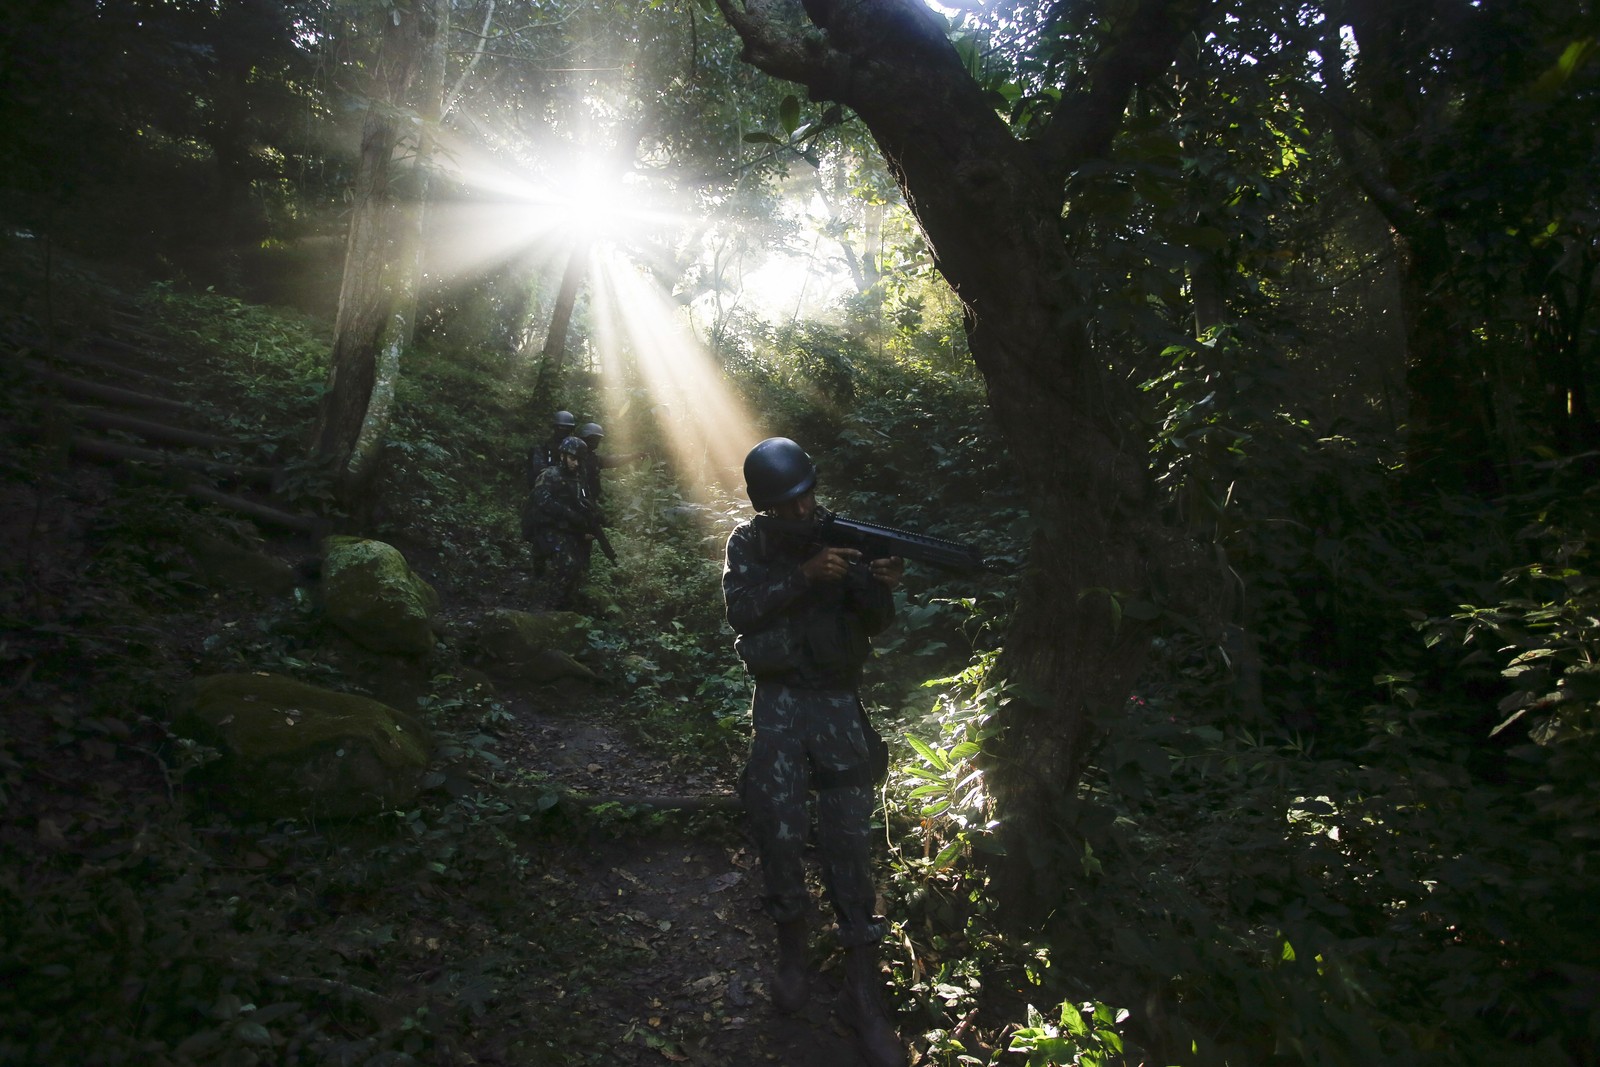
(560, 523)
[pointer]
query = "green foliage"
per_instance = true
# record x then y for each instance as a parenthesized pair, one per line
(151, 130)
(942, 789)
(261, 373)
(1261, 895)
(149, 930)
(268, 352)
(1084, 1035)
(1309, 870)
(1548, 623)
(665, 632)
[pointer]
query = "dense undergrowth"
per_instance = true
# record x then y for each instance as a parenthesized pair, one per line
(1379, 853)
(143, 925)
(1365, 837)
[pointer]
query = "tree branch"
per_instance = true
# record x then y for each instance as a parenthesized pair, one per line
(1141, 48)
(453, 97)
(777, 39)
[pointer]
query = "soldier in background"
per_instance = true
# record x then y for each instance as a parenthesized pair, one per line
(556, 521)
(563, 425)
(592, 436)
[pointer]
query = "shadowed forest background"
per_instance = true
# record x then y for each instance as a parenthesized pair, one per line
(1254, 342)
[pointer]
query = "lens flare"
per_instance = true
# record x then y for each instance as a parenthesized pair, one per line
(499, 218)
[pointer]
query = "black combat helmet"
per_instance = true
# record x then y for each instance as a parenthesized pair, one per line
(777, 470)
(591, 429)
(572, 446)
(565, 420)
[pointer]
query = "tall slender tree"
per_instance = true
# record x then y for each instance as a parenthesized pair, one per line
(383, 264)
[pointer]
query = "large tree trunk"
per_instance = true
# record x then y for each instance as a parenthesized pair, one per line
(383, 256)
(363, 296)
(553, 359)
(991, 209)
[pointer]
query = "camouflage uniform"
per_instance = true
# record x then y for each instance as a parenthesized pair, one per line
(542, 457)
(806, 644)
(595, 461)
(554, 521)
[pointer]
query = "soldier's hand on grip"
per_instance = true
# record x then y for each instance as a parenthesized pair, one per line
(829, 565)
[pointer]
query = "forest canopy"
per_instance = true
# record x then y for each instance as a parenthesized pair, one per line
(1254, 344)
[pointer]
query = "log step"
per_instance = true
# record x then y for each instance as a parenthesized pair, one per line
(152, 431)
(110, 394)
(115, 452)
(308, 524)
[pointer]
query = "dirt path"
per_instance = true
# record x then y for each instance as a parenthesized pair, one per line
(687, 905)
(681, 904)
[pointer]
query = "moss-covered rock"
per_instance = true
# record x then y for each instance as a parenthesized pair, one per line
(533, 647)
(372, 596)
(290, 749)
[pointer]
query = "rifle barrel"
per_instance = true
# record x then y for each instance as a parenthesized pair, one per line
(923, 548)
(876, 542)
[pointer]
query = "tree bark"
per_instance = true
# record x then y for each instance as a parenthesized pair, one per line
(383, 265)
(991, 207)
(410, 266)
(552, 361)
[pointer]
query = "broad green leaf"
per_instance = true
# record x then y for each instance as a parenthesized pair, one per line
(927, 753)
(1553, 80)
(1072, 1019)
(965, 750)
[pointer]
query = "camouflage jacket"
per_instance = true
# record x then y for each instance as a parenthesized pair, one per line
(791, 631)
(542, 457)
(557, 502)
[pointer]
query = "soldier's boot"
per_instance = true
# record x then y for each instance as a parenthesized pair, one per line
(861, 1007)
(789, 981)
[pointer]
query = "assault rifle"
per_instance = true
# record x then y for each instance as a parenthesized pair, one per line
(591, 515)
(599, 533)
(603, 541)
(877, 542)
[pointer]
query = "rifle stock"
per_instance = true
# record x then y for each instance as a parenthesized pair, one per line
(603, 541)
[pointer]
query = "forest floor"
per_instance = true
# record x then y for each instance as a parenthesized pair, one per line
(672, 904)
(677, 900)
(687, 901)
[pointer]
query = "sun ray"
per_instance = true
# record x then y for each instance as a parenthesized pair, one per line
(497, 216)
(708, 430)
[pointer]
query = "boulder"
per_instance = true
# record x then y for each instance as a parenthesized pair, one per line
(372, 596)
(290, 749)
(533, 646)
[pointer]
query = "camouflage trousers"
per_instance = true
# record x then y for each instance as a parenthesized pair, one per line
(804, 739)
(559, 573)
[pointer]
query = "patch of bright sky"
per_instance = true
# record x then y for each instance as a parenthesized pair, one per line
(1348, 52)
(801, 277)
